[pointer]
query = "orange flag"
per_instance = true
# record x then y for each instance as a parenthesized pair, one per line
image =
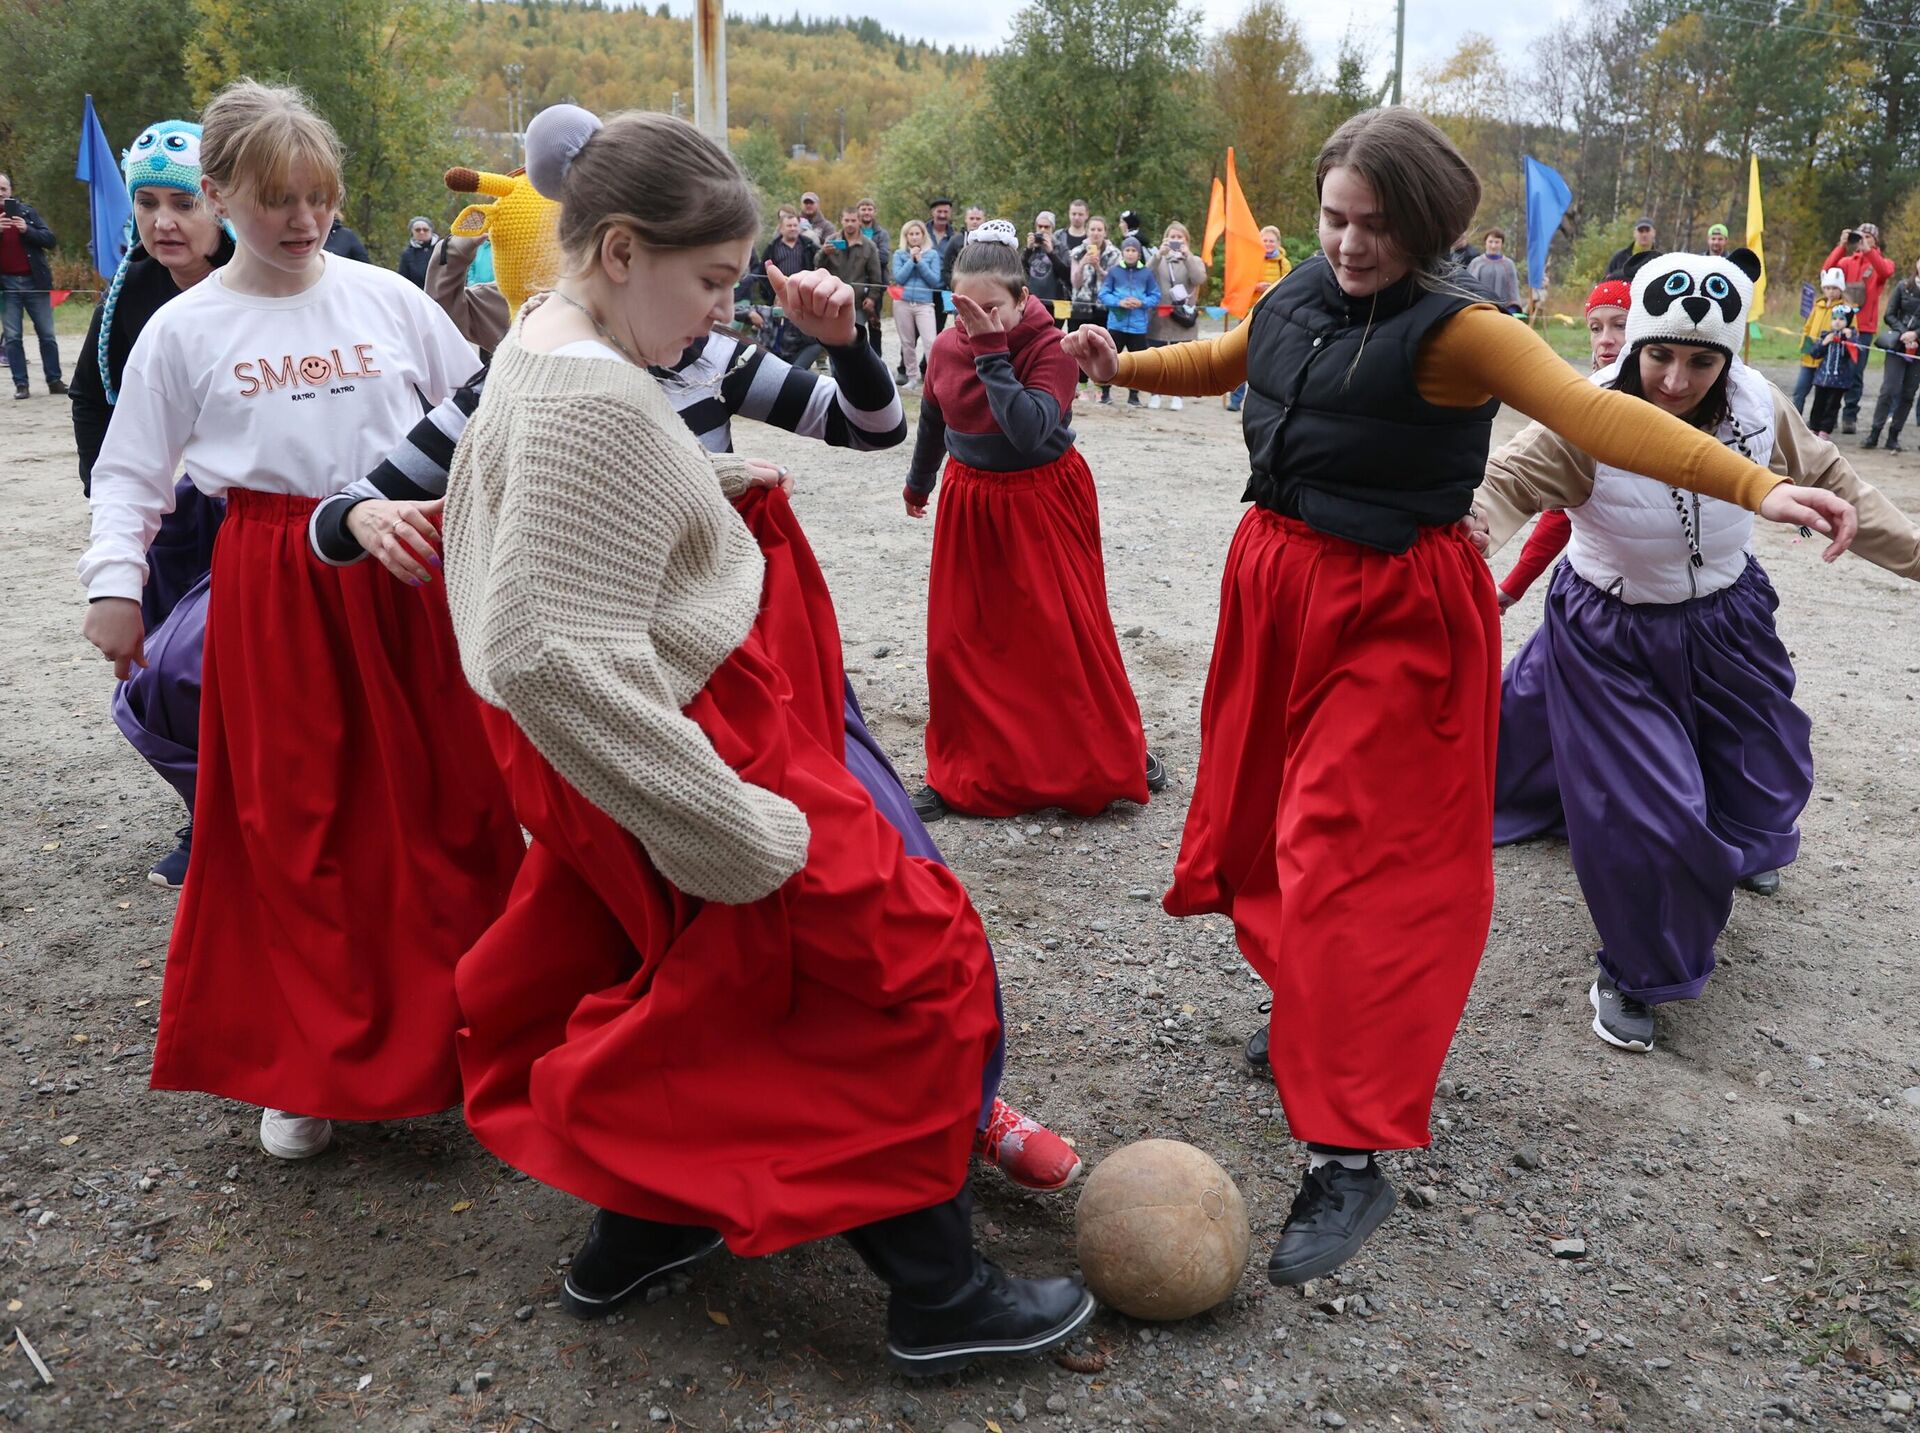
(1246, 255)
(1216, 221)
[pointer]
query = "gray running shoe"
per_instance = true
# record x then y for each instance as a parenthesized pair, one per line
(1619, 1019)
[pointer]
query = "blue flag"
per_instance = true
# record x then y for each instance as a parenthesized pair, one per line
(1547, 201)
(106, 194)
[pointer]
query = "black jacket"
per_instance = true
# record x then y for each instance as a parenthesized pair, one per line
(1337, 433)
(413, 263)
(39, 238)
(1902, 313)
(1047, 278)
(789, 259)
(343, 241)
(1617, 265)
(146, 287)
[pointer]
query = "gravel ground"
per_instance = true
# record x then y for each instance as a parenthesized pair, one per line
(1744, 1200)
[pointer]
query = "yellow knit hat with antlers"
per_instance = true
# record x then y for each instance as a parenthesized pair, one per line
(524, 227)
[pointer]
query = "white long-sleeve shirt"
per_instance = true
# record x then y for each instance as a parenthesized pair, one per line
(295, 395)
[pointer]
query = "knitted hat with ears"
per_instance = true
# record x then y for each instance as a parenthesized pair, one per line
(1692, 298)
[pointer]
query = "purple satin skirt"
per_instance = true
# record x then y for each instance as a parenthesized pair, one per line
(1663, 743)
(182, 551)
(871, 769)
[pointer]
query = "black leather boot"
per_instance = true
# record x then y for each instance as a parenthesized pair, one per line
(993, 1316)
(624, 1256)
(1872, 440)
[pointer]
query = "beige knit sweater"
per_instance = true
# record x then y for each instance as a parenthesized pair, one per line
(597, 576)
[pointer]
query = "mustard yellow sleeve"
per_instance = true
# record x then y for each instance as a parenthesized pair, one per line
(1196, 369)
(1480, 353)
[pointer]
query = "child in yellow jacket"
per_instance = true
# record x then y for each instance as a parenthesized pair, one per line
(1833, 290)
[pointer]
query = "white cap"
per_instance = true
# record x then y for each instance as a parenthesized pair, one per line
(1834, 279)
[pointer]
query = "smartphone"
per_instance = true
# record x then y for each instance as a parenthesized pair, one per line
(13, 209)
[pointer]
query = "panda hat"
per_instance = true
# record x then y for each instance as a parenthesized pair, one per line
(1692, 298)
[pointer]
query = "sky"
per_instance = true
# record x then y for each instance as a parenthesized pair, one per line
(1434, 27)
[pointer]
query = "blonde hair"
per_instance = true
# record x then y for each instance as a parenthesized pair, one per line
(1167, 233)
(911, 225)
(658, 176)
(253, 136)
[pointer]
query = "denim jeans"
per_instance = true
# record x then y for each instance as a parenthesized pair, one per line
(1802, 386)
(1856, 390)
(16, 299)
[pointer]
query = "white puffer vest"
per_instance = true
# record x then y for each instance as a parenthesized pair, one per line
(1630, 536)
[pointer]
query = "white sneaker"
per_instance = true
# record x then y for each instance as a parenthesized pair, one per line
(1153, 400)
(286, 1136)
(1176, 404)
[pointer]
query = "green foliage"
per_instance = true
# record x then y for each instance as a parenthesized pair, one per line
(1103, 100)
(1262, 80)
(932, 152)
(381, 71)
(59, 52)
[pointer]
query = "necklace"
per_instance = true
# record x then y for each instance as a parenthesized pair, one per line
(599, 328)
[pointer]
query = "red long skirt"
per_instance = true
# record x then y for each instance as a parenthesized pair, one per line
(351, 839)
(1343, 811)
(780, 1071)
(1028, 703)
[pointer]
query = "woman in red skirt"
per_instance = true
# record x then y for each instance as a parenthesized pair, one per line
(1343, 809)
(1028, 703)
(724, 1004)
(352, 834)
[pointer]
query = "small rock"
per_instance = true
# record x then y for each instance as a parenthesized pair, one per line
(483, 1379)
(1057, 1403)
(1733, 1096)
(1018, 1413)
(1800, 1117)
(47, 1216)
(1527, 1156)
(961, 1425)
(883, 650)
(1911, 1095)
(523, 1313)
(1543, 1410)
(1139, 893)
(1659, 1363)
(145, 1184)
(1332, 1419)
(1133, 631)
(1899, 1403)
(1568, 1248)
(282, 1417)
(657, 1414)
(1423, 1196)
(465, 1385)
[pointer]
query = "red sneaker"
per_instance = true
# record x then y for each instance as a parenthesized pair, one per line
(1027, 1152)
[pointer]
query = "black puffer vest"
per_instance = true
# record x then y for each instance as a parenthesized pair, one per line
(1337, 432)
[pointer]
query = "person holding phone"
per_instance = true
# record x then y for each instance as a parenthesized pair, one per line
(26, 290)
(1859, 257)
(1181, 275)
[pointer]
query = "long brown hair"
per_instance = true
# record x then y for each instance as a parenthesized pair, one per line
(1424, 186)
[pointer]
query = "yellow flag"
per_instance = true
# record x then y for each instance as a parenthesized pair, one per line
(1756, 237)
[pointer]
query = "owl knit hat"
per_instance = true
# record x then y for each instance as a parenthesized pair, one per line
(1691, 298)
(165, 156)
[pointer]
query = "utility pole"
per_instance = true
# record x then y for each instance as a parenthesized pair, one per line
(1399, 48)
(842, 112)
(710, 68)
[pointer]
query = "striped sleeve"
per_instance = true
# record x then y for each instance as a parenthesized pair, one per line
(416, 471)
(857, 407)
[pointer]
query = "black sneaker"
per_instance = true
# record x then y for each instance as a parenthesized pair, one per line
(171, 869)
(20, 390)
(1762, 883)
(1893, 445)
(992, 1317)
(1849, 426)
(927, 804)
(1256, 1051)
(1619, 1019)
(624, 1256)
(1133, 401)
(1334, 1212)
(1156, 774)
(1872, 440)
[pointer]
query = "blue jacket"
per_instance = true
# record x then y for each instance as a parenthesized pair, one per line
(1122, 283)
(919, 282)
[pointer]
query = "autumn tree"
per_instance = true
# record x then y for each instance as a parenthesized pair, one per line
(1262, 78)
(381, 72)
